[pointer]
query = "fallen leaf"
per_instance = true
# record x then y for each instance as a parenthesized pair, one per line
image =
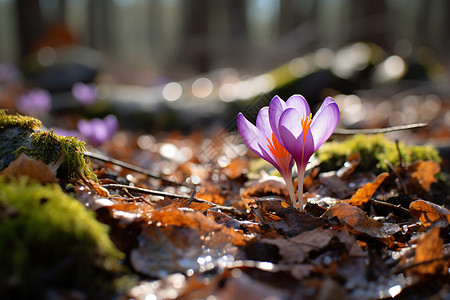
(429, 254)
(32, 168)
(284, 218)
(424, 172)
(335, 185)
(428, 212)
(243, 286)
(295, 249)
(236, 167)
(349, 166)
(357, 220)
(177, 240)
(364, 194)
(267, 185)
(211, 193)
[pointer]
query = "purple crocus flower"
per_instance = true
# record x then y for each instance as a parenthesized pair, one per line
(263, 141)
(84, 93)
(34, 102)
(97, 131)
(299, 133)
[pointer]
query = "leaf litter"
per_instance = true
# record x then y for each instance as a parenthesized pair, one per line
(202, 228)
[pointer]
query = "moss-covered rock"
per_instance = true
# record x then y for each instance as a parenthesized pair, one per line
(374, 151)
(19, 134)
(50, 241)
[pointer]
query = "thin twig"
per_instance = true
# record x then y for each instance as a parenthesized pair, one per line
(393, 206)
(194, 191)
(402, 183)
(131, 167)
(228, 209)
(378, 130)
(399, 153)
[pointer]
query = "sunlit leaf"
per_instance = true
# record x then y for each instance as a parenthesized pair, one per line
(364, 194)
(429, 254)
(429, 212)
(424, 172)
(32, 168)
(358, 221)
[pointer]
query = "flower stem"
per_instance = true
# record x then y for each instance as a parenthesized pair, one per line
(290, 187)
(301, 175)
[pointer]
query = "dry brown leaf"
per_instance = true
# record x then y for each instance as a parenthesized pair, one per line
(430, 248)
(268, 185)
(211, 193)
(423, 172)
(335, 185)
(295, 249)
(349, 166)
(243, 286)
(429, 213)
(236, 167)
(282, 217)
(221, 218)
(34, 169)
(178, 240)
(357, 220)
(364, 194)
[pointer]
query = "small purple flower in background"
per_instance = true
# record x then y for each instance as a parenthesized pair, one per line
(97, 131)
(9, 72)
(34, 102)
(295, 135)
(86, 94)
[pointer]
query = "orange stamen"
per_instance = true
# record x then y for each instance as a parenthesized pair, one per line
(278, 151)
(306, 122)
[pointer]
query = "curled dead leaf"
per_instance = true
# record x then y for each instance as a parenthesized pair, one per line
(236, 167)
(364, 194)
(284, 218)
(268, 185)
(424, 173)
(429, 213)
(429, 254)
(32, 168)
(358, 221)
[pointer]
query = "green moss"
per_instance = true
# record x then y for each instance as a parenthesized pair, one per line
(374, 151)
(49, 240)
(25, 122)
(18, 135)
(47, 146)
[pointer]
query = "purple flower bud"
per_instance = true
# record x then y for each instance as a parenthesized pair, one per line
(34, 102)
(84, 93)
(97, 131)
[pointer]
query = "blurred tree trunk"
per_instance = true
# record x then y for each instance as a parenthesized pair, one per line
(236, 11)
(30, 24)
(197, 33)
(99, 29)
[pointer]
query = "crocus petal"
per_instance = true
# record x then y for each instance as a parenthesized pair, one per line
(292, 137)
(252, 137)
(300, 104)
(262, 122)
(325, 102)
(324, 122)
(276, 108)
(309, 148)
(291, 132)
(290, 118)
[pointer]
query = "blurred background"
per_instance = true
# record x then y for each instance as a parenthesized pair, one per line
(156, 65)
